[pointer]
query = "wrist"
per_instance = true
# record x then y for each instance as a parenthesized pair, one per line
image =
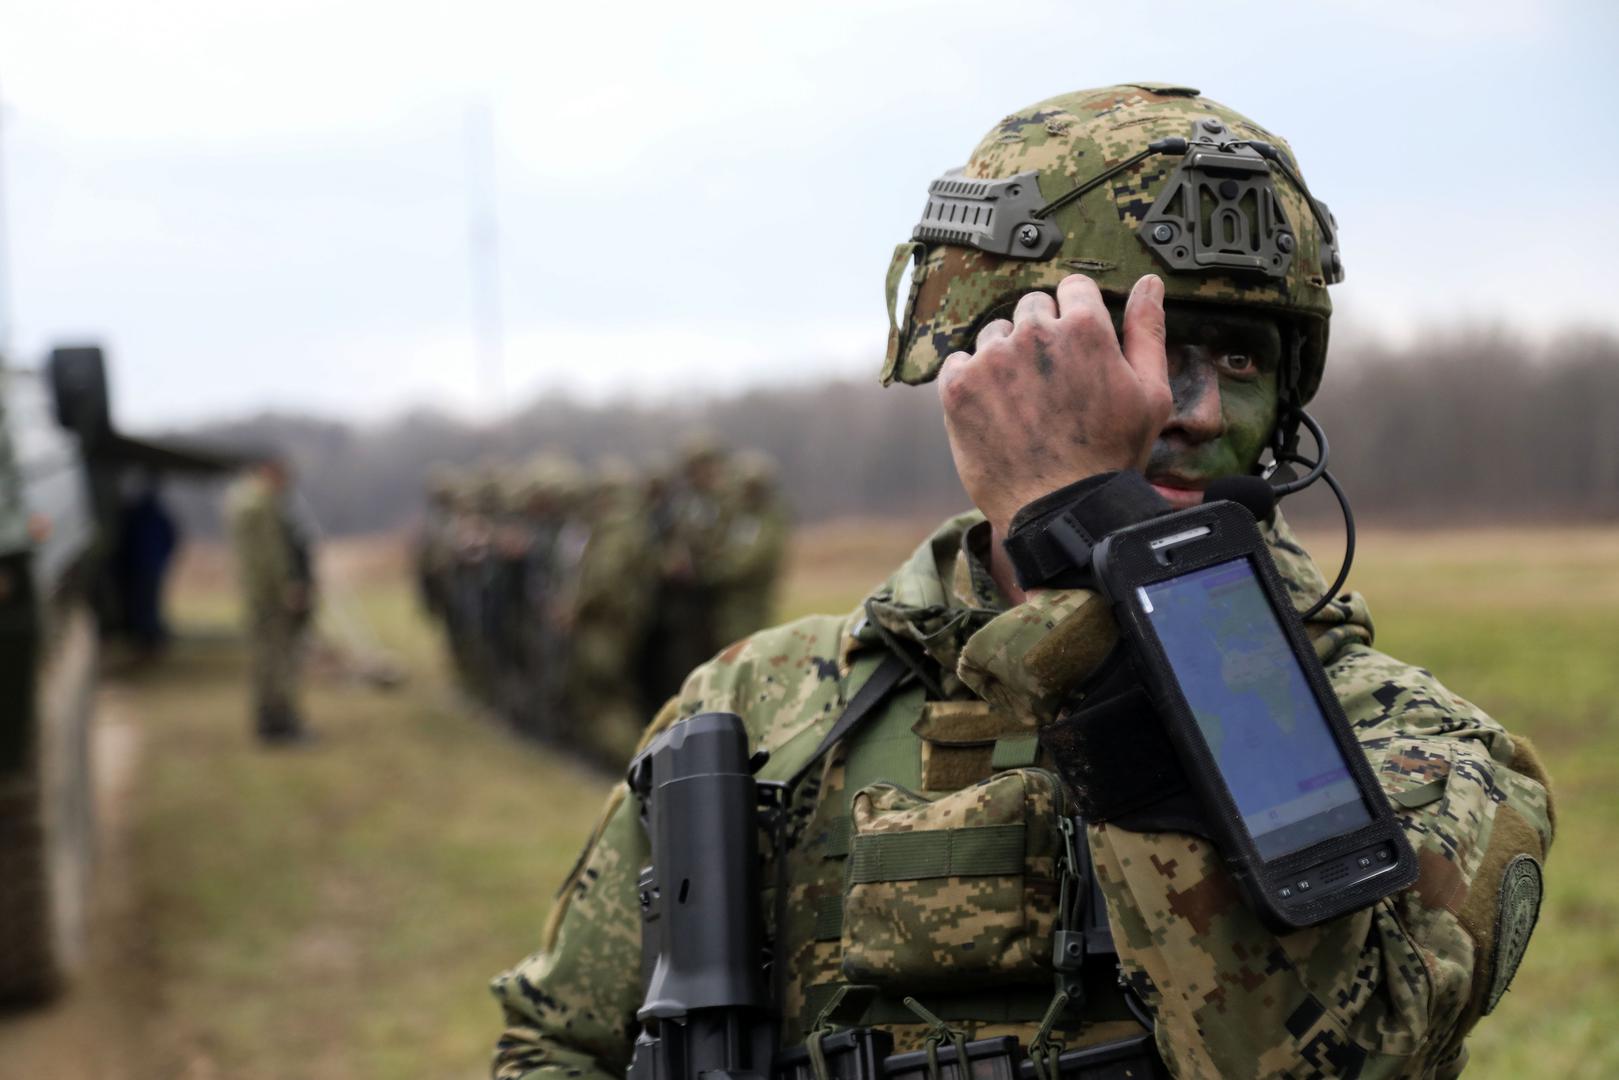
(1049, 539)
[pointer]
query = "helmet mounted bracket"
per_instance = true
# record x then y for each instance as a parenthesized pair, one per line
(1219, 210)
(995, 216)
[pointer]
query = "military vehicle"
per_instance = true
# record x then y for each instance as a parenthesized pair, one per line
(47, 679)
(60, 462)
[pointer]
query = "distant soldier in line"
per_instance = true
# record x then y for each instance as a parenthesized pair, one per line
(508, 617)
(471, 536)
(690, 547)
(612, 600)
(551, 487)
(569, 605)
(754, 546)
(274, 560)
(435, 547)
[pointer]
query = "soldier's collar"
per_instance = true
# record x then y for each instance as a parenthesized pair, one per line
(920, 604)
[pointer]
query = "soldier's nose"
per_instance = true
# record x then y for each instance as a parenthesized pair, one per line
(1199, 415)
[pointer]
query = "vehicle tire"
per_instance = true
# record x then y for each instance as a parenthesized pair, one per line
(47, 824)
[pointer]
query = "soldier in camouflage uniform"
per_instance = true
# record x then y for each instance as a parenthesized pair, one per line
(273, 562)
(472, 536)
(558, 532)
(755, 543)
(434, 554)
(611, 603)
(1053, 396)
(690, 531)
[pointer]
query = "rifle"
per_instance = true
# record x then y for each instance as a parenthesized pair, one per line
(708, 1013)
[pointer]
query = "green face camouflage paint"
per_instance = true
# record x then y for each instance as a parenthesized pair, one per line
(1223, 368)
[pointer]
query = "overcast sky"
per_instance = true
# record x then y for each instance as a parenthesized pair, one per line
(267, 205)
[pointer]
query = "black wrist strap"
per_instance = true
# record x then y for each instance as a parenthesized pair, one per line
(1051, 539)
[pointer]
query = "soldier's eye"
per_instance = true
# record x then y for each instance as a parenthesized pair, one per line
(1240, 364)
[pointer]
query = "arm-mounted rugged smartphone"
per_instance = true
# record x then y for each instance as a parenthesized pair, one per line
(1286, 791)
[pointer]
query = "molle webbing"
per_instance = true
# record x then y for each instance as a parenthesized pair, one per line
(829, 918)
(913, 856)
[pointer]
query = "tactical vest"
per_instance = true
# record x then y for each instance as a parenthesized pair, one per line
(935, 887)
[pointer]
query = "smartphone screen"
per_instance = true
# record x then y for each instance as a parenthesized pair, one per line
(1255, 711)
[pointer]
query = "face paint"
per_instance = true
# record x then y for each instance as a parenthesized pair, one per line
(1223, 375)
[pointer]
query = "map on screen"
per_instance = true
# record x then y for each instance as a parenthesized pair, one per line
(1253, 707)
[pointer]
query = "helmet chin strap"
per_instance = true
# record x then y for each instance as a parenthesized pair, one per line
(1284, 439)
(1284, 448)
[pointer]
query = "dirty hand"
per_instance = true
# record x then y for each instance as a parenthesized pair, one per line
(1051, 397)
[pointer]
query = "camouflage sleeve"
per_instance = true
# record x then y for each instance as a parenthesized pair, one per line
(1388, 991)
(570, 1008)
(261, 552)
(754, 544)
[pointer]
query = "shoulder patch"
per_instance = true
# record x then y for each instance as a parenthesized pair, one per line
(1521, 890)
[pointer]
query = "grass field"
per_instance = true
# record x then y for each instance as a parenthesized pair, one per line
(334, 911)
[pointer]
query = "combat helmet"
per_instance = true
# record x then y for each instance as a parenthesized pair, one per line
(441, 483)
(755, 470)
(1116, 183)
(549, 480)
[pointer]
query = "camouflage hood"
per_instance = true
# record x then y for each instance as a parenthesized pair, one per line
(931, 603)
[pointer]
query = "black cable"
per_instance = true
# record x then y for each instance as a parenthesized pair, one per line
(1349, 530)
(1318, 467)
(1275, 156)
(1174, 145)
(1318, 471)
(1349, 546)
(1138, 1008)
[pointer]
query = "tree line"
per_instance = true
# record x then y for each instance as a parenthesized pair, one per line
(1467, 426)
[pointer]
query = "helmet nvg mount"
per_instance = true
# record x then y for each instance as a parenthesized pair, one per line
(1114, 184)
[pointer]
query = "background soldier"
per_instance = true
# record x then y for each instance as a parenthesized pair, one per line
(472, 535)
(557, 539)
(755, 544)
(1053, 396)
(274, 561)
(690, 533)
(612, 601)
(435, 543)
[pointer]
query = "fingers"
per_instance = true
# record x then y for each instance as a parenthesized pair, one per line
(1076, 292)
(950, 372)
(1144, 336)
(997, 329)
(1034, 307)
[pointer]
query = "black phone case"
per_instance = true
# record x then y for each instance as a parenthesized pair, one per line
(1336, 876)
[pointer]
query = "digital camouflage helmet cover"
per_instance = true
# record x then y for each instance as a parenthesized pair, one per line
(1114, 184)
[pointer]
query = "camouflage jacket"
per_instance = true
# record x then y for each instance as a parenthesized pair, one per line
(1387, 991)
(267, 544)
(617, 570)
(755, 542)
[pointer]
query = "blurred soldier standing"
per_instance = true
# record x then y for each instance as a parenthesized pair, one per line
(691, 545)
(1182, 358)
(435, 548)
(556, 539)
(612, 599)
(516, 538)
(274, 561)
(755, 543)
(472, 538)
